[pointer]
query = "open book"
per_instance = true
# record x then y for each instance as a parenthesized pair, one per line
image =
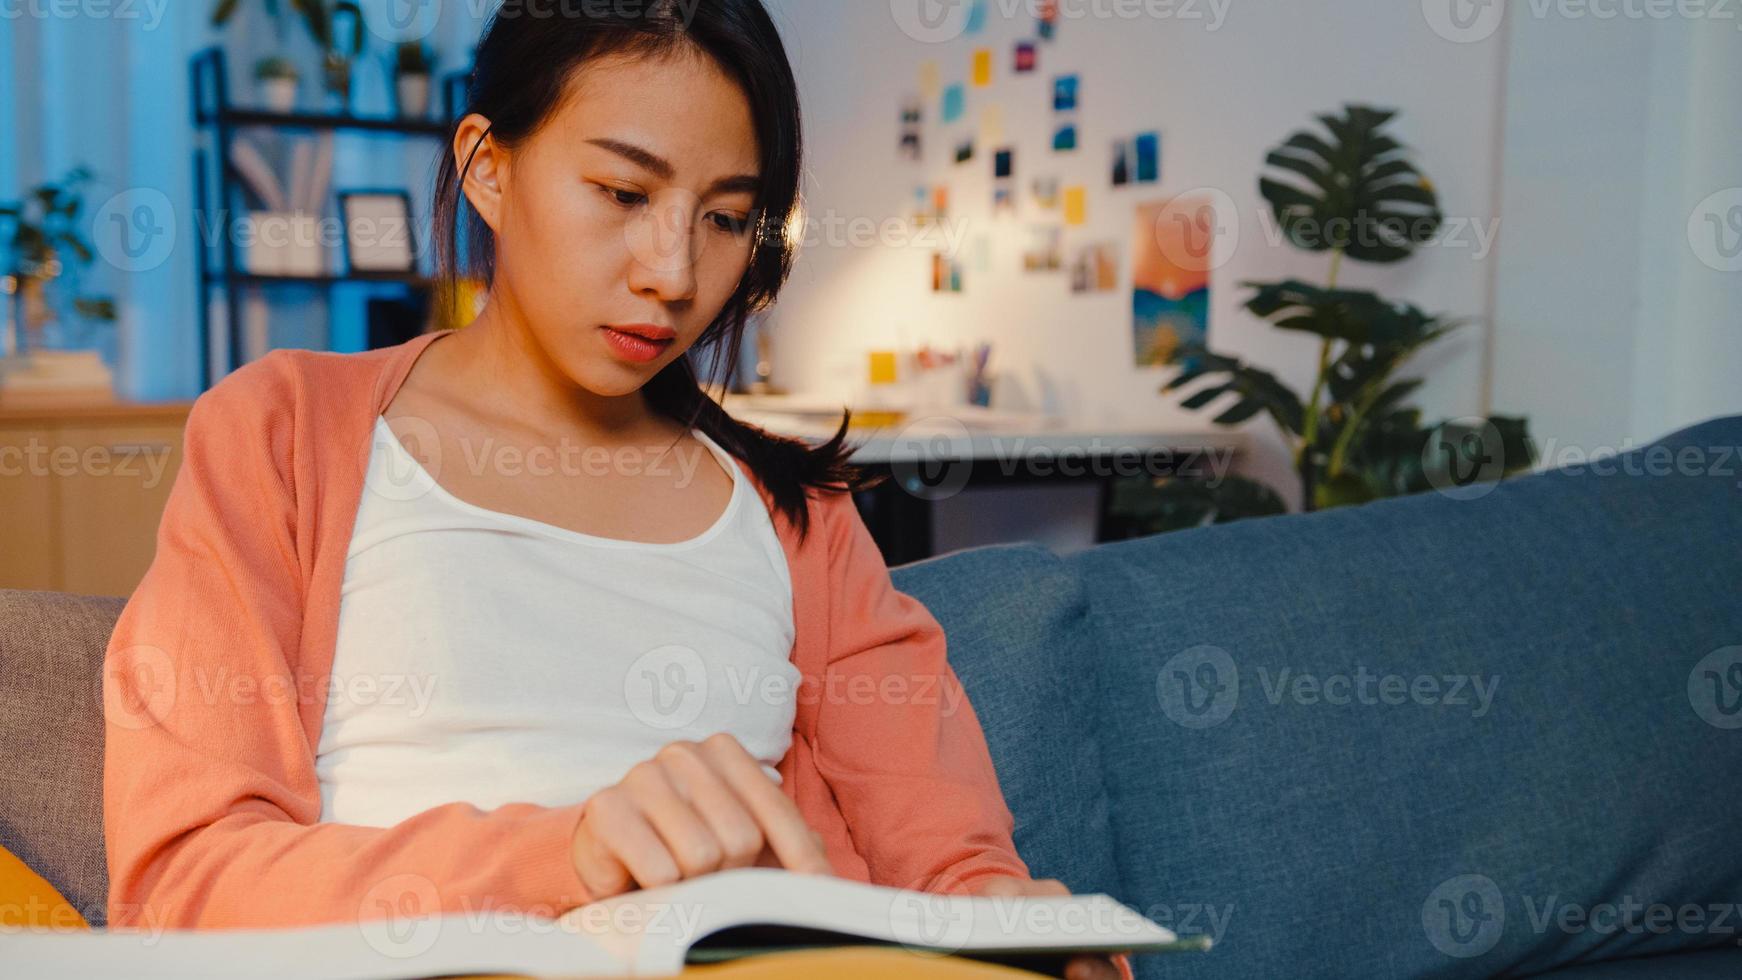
(654, 932)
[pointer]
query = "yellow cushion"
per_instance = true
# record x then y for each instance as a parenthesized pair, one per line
(27, 901)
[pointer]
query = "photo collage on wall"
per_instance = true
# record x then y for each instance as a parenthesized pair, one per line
(1169, 287)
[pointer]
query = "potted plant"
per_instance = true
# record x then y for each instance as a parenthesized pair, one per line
(45, 244)
(324, 26)
(1350, 191)
(277, 79)
(413, 66)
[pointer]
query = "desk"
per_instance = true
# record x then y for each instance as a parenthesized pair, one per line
(932, 455)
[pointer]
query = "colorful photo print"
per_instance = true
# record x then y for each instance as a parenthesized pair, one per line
(1026, 57)
(1003, 162)
(1064, 139)
(1046, 19)
(946, 274)
(1137, 160)
(1046, 192)
(1064, 93)
(955, 102)
(1003, 199)
(1045, 251)
(1170, 282)
(930, 203)
(982, 67)
(1095, 269)
(912, 115)
(965, 151)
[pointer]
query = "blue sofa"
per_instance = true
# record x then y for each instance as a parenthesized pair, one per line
(1430, 737)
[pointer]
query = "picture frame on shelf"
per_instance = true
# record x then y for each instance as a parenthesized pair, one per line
(380, 237)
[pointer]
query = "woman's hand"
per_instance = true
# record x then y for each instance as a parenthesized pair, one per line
(1089, 966)
(694, 808)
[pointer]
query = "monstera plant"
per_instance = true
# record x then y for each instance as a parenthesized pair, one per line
(1349, 191)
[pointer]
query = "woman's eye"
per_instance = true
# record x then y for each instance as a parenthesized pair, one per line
(625, 198)
(732, 224)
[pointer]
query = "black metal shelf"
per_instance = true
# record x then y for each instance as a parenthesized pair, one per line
(401, 126)
(218, 196)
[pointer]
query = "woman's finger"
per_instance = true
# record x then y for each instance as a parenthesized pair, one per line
(620, 834)
(686, 836)
(740, 838)
(782, 825)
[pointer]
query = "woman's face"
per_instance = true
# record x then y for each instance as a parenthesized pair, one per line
(631, 207)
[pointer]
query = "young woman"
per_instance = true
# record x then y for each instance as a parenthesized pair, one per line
(515, 614)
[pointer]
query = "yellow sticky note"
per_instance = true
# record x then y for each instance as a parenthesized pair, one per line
(1076, 205)
(882, 367)
(930, 80)
(983, 66)
(992, 124)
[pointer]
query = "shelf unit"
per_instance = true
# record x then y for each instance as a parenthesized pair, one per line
(218, 191)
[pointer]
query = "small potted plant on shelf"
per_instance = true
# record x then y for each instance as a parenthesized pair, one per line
(277, 79)
(414, 64)
(45, 244)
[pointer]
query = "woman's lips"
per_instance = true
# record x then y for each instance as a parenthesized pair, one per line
(634, 346)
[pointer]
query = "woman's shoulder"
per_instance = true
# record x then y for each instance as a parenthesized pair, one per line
(293, 382)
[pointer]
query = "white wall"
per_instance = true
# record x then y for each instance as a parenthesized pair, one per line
(1611, 328)
(1221, 92)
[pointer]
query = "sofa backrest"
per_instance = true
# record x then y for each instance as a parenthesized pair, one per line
(1487, 732)
(51, 740)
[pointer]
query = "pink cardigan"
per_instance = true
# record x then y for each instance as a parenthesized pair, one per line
(217, 667)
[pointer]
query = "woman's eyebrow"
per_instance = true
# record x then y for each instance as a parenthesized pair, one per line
(662, 168)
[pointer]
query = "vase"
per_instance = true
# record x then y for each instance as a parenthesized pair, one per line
(278, 94)
(413, 92)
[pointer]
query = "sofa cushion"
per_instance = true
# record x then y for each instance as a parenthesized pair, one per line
(1435, 735)
(51, 738)
(1705, 964)
(1014, 618)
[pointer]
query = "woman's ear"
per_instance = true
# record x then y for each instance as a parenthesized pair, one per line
(486, 177)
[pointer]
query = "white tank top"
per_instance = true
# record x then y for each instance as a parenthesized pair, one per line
(490, 658)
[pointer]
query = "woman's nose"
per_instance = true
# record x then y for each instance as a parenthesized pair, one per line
(664, 247)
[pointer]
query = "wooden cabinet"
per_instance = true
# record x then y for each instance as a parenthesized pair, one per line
(82, 489)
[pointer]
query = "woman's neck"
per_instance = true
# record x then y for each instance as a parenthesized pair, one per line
(499, 367)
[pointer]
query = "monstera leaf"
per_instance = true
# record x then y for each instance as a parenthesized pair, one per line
(1258, 391)
(1355, 192)
(1356, 316)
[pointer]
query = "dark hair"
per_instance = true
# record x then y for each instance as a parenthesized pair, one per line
(526, 55)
